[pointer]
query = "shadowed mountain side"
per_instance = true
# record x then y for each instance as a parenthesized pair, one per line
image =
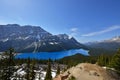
(34, 39)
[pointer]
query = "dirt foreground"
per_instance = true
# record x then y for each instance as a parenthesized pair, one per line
(87, 71)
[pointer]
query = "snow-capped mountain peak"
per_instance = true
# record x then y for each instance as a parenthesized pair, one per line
(33, 39)
(117, 38)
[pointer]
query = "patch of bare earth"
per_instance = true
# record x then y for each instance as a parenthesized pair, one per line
(87, 71)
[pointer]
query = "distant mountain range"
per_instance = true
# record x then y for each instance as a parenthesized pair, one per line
(109, 46)
(34, 39)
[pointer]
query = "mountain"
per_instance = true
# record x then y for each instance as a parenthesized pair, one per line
(34, 39)
(109, 46)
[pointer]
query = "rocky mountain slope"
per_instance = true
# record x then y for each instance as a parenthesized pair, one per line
(34, 39)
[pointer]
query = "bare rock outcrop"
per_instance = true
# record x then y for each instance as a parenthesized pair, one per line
(87, 71)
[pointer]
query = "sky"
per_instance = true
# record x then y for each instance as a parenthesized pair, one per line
(86, 20)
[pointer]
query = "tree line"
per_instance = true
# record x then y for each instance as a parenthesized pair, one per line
(7, 65)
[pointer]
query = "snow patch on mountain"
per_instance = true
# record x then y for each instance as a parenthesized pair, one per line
(12, 34)
(38, 37)
(23, 38)
(4, 40)
(51, 43)
(35, 43)
(114, 39)
(31, 31)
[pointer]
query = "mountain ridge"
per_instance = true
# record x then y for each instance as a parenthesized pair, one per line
(34, 39)
(109, 46)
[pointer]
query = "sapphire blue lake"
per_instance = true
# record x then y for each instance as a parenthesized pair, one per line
(52, 55)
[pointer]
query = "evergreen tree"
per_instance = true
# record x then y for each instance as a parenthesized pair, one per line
(28, 69)
(115, 63)
(48, 74)
(39, 76)
(72, 78)
(11, 62)
(32, 74)
(103, 60)
(58, 70)
(100, 60)
(8, 66)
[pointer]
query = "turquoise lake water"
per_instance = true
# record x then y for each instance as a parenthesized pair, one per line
(52, 55)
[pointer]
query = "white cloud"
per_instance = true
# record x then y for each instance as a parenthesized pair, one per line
(74, 29)
(102, 31)
(73, 32)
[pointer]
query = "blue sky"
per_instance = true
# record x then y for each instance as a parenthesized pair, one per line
(86, 20)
